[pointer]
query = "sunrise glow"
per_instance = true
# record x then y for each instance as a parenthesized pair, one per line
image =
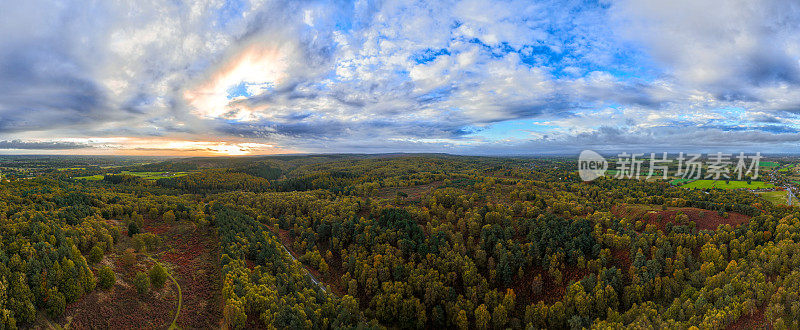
(249, 73)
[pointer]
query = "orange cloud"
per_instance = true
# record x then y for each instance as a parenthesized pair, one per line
(257, 67)
(162, 147)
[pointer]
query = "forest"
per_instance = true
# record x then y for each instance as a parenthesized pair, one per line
(386, 241)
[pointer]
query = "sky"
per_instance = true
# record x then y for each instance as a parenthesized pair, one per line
(200, 78)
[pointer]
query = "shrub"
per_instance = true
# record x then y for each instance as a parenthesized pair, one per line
(128, 259)
(71, 289)
(158, 275)
(7, 320)
(168, 216)
(234, 314)
(107, 277)
(536, 285)
(56, 303)
(133, 228)
(115, 234)
(95, 255)
(142, 283)
(138, 243)
(146, 242)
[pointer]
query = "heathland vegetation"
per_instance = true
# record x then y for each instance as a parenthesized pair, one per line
(404, 241)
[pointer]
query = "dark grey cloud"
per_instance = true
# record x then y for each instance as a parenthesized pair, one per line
(43, 89)
(765, 118)
(771, 65)
(656, 139)
(737, 51)
(307, 127)
(762, 128)
(19, 144)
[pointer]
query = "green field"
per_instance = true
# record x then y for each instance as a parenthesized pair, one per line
(768, 164)
(774, 197)
(720, 184)
(679, 181)
(155, 175)
(90, 177)
(143, 175)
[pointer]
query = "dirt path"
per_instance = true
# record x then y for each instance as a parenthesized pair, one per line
(173, 325)
(194, 260)
(308, 273)
(190, 253)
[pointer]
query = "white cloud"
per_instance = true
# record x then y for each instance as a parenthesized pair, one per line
(394, 74)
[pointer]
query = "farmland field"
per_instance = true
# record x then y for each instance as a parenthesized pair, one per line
(775, 197)
(155, 175)
(720, 184)
(679, 181)
(143, 175)
(90, 177)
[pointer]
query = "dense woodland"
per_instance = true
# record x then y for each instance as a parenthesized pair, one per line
(414, 241)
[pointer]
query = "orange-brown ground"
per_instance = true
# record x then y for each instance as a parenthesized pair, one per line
(121, 307)
(551, 291)
(704, 219)
(755, 321)
(191, 254)
(621, 259)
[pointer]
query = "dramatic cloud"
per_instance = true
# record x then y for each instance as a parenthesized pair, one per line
(18, 144)
(511, 77)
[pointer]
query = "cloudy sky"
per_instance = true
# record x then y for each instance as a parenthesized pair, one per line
(472, 77)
